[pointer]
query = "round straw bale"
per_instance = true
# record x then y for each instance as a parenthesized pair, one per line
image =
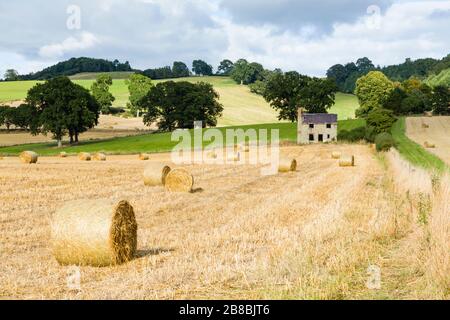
(94, 232)
(29, 157)
(1, 158)
(63, 154)
(179, 180)
(84, 156)
(429, 145)
(336, 155)
(155, 174)
(99, 157)
(287, 165)
(144, 156)
(347, 161)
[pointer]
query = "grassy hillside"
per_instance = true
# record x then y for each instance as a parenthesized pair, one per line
(241, 106)
(118, 75)
(412, 151)
(443, 78)
(157, 142)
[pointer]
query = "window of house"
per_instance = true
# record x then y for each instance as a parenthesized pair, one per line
(328, 136)
(311, 125)
(311, 137)
(328, 125)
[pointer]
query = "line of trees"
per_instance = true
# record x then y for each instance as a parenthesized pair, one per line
(347, 75)
(74, 66)
(376, 91)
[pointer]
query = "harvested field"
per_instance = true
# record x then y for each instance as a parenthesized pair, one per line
(437, 133)
(305, 234)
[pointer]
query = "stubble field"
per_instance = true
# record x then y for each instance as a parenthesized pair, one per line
(306, 234)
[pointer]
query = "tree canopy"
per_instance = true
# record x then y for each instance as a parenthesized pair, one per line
(138, 86)
(100, 91)
(200, 67)
(179, 104)
(286, 92)
(372, 90)
(225, 67)
(62, 107)
(78, 65)
(247, 73)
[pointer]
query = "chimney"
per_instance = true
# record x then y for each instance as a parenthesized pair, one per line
(300, 115)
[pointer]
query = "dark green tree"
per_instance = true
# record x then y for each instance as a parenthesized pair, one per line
(201, 68)
(283, 92)
(395, 100)
(440, 100)
(247, 73)
(180, 70)
(6, 116)
(179, 104)
(318, 95)
(380, 120)
(11, 75)
(225, 67)
(62, 107)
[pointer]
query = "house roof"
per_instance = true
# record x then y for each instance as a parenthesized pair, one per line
(318, 118)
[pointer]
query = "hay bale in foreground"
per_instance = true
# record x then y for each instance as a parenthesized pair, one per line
(144, 156)
(429, 145)
(99, 157)
(94, 232)
(428, 114)
(336, 155)
(155, 174)
(29, 157)
(287, 165)
(63, 154)
(347, 161)
(84, 156)
(179, 180)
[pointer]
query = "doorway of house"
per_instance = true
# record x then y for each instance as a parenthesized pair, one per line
(320, 137)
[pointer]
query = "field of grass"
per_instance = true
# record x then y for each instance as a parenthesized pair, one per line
(156, 142)
(241, 107)
(413, 152)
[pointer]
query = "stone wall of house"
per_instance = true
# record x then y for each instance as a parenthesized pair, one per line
(328, 134)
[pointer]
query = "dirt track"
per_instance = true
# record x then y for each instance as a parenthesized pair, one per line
(242, 236)
(437, 133)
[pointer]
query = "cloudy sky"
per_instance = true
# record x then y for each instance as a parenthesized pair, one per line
(307, 36)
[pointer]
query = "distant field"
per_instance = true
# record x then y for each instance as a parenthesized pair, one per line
(241, 106)
(157, 142)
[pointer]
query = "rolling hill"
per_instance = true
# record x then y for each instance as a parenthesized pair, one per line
(241, 106)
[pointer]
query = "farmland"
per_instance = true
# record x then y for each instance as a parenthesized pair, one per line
(437, 133)
(241, 107)
(243, 235)
(157, 142)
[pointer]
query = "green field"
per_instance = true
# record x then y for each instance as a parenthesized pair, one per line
(414, 152)
(157, 142)
(241, 107)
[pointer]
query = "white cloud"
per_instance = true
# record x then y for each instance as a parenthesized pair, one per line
(153, 33)
(69, 45)
(407, 29)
